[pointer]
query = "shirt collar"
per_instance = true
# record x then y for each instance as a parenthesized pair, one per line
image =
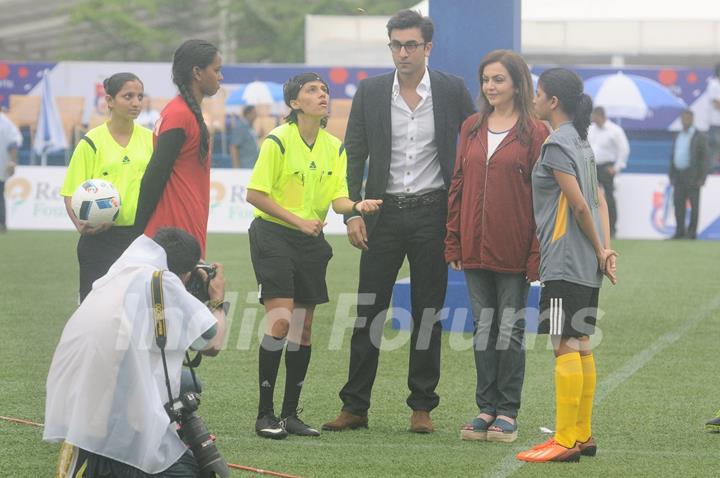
(689, 132)
(423, 88)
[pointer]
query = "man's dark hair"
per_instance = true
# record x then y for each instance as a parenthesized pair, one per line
(688, 112)
(599, 110)
(182, 250)
(405, 19)
(247, 110)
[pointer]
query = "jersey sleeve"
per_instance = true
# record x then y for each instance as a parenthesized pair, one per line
(268, 166)
(555, 157)
(340, 173)
(79, 169)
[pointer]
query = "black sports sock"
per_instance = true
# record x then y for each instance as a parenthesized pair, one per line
(297, 359)
(268, 365)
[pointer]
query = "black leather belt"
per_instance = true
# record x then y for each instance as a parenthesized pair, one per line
(410, 201)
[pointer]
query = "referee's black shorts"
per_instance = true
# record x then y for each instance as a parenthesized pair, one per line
(567, 309)
(96, 253)
(288, 263)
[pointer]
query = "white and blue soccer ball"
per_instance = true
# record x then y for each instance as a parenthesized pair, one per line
(96, 201)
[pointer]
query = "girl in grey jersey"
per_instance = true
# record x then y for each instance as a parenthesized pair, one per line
(573, 229)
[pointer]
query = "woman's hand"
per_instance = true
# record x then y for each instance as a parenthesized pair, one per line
(87, 229)
(455, 265)
(607, 264)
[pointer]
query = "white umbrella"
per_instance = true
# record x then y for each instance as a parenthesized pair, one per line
(50, 135)
(256, 93)
(630, 96)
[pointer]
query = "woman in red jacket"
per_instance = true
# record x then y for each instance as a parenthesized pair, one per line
(491, 236)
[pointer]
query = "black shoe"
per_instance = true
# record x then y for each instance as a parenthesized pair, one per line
(295, 426)
(268, 426)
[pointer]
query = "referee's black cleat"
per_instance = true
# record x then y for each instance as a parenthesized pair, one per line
(268, 426)
(295, 426)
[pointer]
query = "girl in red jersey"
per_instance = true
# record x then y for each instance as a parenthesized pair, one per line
(175, 190)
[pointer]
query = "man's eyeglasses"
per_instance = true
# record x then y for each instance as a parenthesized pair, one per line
(410, 46)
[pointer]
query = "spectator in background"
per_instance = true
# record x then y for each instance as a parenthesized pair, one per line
(243, 139)
(10, 141)
(689, 167)
(611, 148)
(148, 116)
(713, 92)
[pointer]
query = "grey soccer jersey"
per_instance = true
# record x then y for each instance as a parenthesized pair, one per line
(565, 252)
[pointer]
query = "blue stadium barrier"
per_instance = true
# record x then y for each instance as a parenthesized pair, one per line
(649, 156)
(221, 161)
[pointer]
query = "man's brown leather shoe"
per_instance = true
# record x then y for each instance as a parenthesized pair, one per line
(420, 422)
(346, 421)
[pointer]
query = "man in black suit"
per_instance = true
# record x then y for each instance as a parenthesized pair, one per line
(689, 167)
(405, 124)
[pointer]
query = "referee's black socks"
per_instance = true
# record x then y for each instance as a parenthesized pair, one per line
(268, 364)
(297, 359)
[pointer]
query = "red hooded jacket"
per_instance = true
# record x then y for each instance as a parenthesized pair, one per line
(490, 211)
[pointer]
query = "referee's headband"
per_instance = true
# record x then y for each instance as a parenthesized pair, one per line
(292, 87)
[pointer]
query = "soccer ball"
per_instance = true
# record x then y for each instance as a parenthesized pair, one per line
(96, 201)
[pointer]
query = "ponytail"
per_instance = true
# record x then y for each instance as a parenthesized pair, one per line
(567, 87)
(582, 121)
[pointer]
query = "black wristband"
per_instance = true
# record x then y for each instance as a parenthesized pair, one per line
(355, 209)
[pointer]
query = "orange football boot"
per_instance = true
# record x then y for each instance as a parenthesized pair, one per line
(550, 451)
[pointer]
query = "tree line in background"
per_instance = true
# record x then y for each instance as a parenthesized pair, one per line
(257, 31)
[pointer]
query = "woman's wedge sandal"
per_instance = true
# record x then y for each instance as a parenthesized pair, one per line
(476, 430)
(506, 432)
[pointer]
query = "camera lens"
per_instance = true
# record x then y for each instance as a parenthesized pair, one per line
(195, 434)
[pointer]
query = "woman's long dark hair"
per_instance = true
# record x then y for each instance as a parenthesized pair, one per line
(522, 82)
(568, 88)
(190, 54)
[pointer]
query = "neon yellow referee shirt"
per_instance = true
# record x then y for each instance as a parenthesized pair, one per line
(99, 156)
(298, 178)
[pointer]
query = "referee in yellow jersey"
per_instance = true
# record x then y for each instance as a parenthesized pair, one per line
(117, 151)
(299, 174)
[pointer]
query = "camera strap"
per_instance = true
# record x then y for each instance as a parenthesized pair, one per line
(156, 291)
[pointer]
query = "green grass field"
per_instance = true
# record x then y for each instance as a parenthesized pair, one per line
(657, 373)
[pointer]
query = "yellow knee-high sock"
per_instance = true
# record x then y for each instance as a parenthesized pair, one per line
(584, 420)
(568, 389)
